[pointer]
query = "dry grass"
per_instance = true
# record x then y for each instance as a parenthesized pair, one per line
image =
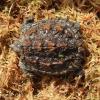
(16, 86)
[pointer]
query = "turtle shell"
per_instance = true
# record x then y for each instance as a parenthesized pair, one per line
(53, 46)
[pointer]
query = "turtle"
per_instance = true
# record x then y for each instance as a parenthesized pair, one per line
(50, 46)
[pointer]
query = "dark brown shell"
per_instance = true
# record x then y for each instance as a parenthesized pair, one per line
(53, 47)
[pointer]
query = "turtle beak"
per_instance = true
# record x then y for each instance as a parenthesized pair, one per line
(16, 47)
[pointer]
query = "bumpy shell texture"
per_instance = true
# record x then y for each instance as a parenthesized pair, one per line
(53, 47)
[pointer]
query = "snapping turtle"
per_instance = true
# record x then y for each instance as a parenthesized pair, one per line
(52, 47)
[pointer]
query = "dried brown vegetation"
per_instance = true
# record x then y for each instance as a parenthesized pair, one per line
(16, 86)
